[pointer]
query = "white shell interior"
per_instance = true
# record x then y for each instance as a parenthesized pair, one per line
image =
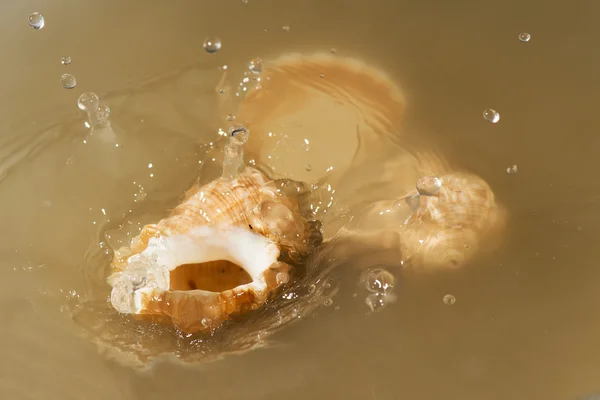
(252, 252)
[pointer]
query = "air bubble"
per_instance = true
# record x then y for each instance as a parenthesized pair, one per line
(255, 65)
(429, 185)
(65, 60)
(491, 115)
(524, 37)
(312, 288)
(36, 20)
(328, 303)
(212, 44)
(449, 299)
(68, 81)
(379, 281)
(88, 101)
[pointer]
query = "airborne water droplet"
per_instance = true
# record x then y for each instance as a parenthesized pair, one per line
(65, 60)
(230, 117)
(491, 115)
(512, 170)
(524, 37)
(88, 101)
(212, 44)
(286, 28)
(36, 20)
(239, 132)
(68, 81)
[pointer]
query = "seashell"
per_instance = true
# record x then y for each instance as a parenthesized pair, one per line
(220, 253)
(352, 113)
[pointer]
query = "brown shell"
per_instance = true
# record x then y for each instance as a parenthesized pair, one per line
(250, 201)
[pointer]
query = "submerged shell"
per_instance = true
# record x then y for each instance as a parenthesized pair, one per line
(350, 114)
(198, 296)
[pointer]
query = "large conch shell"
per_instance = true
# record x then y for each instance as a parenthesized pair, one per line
(351, 114)
(217, 255)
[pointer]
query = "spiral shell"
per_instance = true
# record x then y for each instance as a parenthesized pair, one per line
(216, 255)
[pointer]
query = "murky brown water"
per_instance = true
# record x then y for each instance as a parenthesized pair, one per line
(524, 322)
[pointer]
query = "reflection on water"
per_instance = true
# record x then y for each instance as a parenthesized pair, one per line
(517, 324)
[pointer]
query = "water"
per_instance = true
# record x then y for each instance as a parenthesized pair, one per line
(88, 101)
(524, 37)
(68, 81)
(36, 21)
(491, 115)
(65, 60)
(212, 44)
(504, 337)
(449, 299)
(429, 185)
(255, 65)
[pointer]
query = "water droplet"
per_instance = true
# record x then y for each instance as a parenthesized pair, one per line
(491, 115)
(212, 44)
(379, 280)
(36, 20)
(449, 299)
(429, 185)
(65, 60)
(322, 76)
(221, 91)
(282, 278)
(308, 167)
(68, 81)
(255, 65)
(524, 37)
(512, 170)
(328, 303)
(312, 288)
(286, 28)
(230, 117)
(239, 132)
(88, 101)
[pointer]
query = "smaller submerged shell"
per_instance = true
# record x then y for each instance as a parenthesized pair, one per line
(218, 254)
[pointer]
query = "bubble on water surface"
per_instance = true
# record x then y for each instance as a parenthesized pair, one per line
(36, 20)
(68, 81)
(88, 101)
(429, 185)
(379, 280)
(524, 37)
(491, 115)
(449, 299)
(255, 65)
(512, 169)
(65, 60)
(212, 44)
